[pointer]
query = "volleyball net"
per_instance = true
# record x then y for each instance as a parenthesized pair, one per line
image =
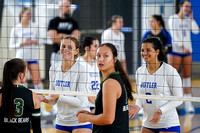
(136, 96)
(43, 11)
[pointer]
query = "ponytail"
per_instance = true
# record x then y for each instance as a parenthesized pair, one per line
(125, 79)
(119, 68)
(11, 71)
(160, 19)
(86, 42)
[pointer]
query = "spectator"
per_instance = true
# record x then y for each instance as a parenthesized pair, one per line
(180, 28)
(115, 36)
(61, 26)
(158, 30)
(25, 39)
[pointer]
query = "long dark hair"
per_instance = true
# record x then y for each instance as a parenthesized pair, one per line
(160, 19)
(11, 70)
(87, 41)
(119, 68)
(157, 44)
(178, 7)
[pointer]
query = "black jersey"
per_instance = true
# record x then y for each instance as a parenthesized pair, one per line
(66, 26)
(24, 109)
(121, 122)
(164, 37)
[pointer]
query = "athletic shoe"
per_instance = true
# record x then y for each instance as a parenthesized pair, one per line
(189, 108)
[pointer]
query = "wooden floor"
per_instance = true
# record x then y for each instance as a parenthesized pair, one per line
(189, 123)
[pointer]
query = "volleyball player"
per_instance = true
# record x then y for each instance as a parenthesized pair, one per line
(18, 105)
(69, 76)
(157, 78)
(115, 36)
(158, 29)
(88, 50)
(111, 104)
(180, 28)
(24, 38)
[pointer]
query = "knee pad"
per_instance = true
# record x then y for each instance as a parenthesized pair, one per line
(187, 82)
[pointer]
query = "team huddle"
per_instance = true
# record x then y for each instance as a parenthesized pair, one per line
(76, 66)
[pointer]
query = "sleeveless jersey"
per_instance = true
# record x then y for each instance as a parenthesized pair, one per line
(121, 122)
(24, 108)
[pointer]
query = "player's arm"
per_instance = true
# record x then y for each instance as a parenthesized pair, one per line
(55, 36)
(123, 62)
(35, 118)
(92, 99)
(111, 92)
(52, 73)
(175, 84)
(134, 109)
(76, 33)
(13, 40)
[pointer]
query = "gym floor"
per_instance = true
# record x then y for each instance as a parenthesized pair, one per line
(189, 123)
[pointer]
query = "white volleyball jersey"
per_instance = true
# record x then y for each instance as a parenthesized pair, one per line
(180, 30)
(18, 35)
(109, 36)
(164, 82)
(72, 80)
(92, 76)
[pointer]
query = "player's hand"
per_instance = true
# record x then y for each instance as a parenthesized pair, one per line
(186, 51)
(156, 117)
(41, 97)
(190, 14)
(82, 111)
(133, 110)
(82, 116)
(51, 98)
(26, 42)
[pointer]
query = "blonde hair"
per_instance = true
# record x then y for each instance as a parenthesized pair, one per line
(22, 12)
(113, 19)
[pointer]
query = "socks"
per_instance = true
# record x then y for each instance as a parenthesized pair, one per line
(39, 86)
